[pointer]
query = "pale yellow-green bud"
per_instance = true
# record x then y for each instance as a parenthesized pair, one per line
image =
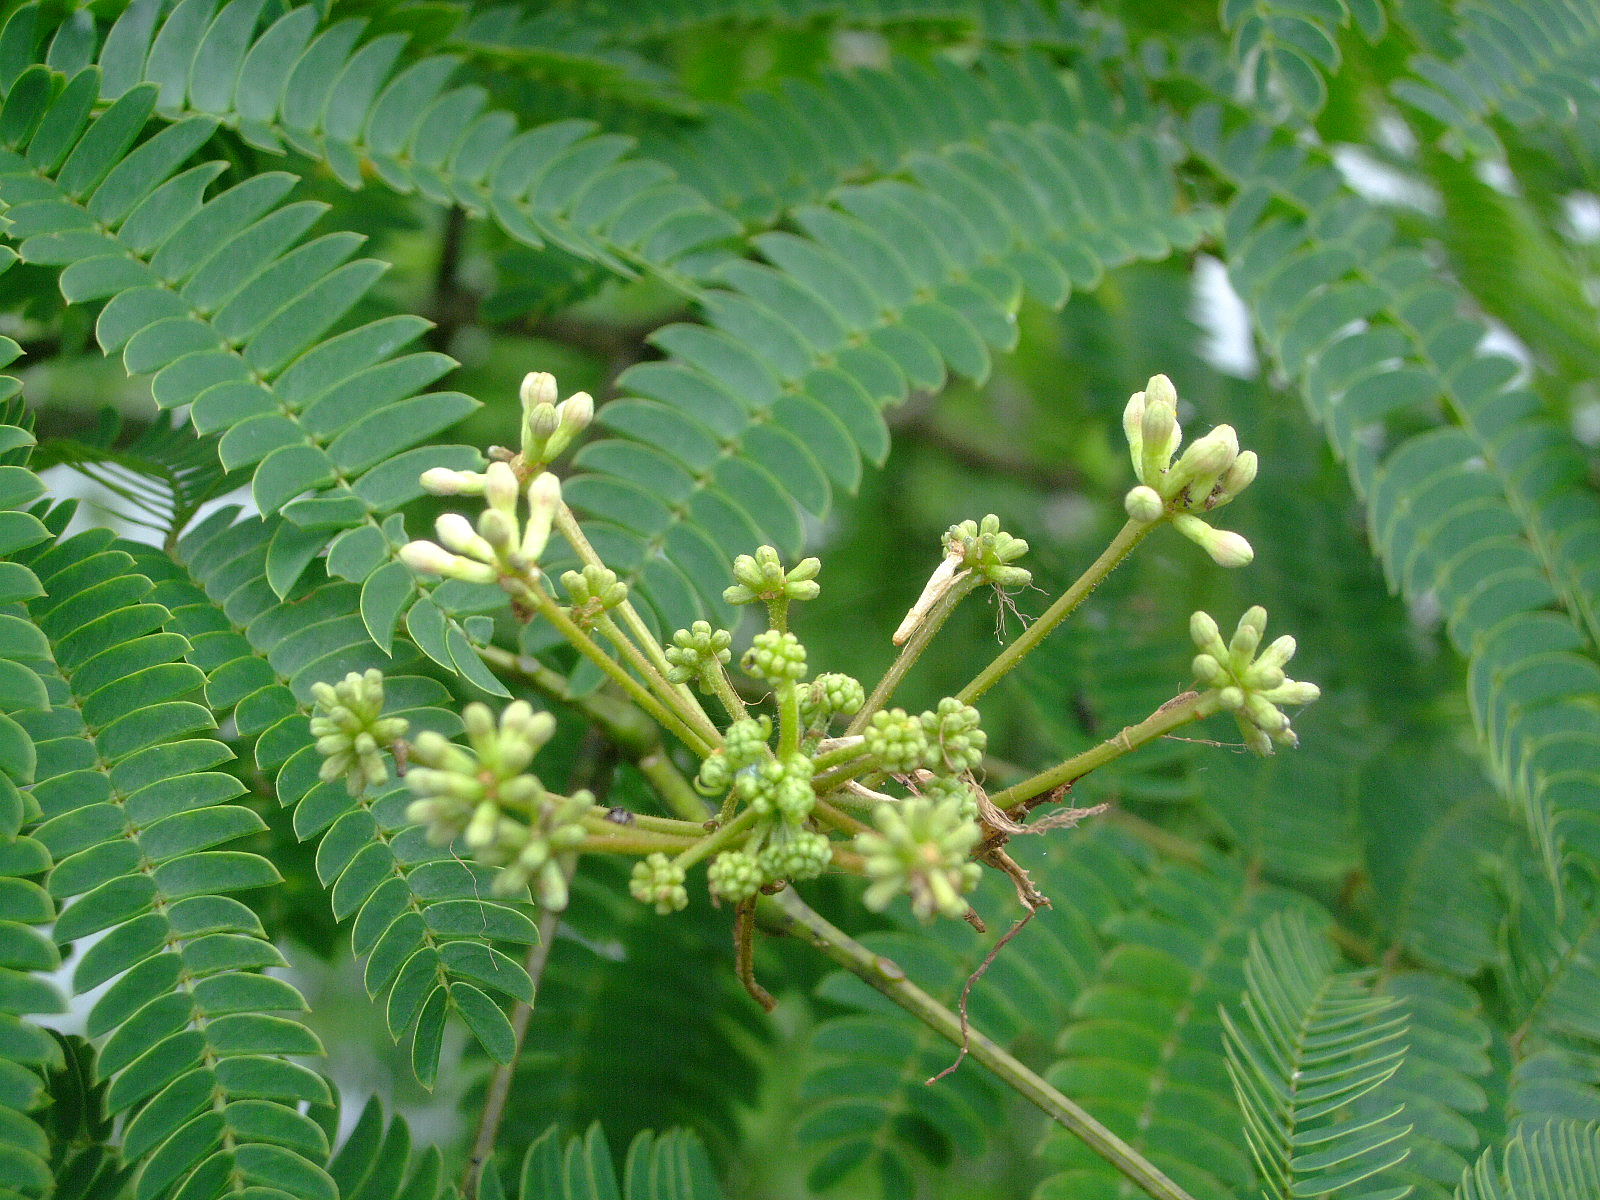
(1203, 463)
(576, 411)
(544, 500)
(1207, 670)
(499, 529)
(1205, 634)
(1158, 431)
(1132, 429)
(432, 559)
(1226, 548)
(1237, 477)
(1293, 691)
(1231, 698)
(442, 481)
(1144, 504)
(501, 488)
(456, 533)
(538, 387)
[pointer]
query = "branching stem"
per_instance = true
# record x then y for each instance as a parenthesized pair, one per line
(923, 634)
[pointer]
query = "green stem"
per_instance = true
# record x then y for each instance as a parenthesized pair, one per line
(552, 612)
(787, 913)
(788, 698)
(635, 734)
(667, 825)
(624, 840)
(567, 523)
(960, 587)
(722, 688)
(838, 756)
(1192, 706)
(1129, 536)
(676, 696)
(717, 840)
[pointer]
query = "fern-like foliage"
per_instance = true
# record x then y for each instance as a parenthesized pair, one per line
(162, 475)
(1532, 67)
(1308, 1044)
(1290, 47)
(25, 1050)
(132, 812)
(1559, 1162)
(1143, 1049)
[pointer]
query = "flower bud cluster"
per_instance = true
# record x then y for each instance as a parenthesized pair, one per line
(351, 731)
(501, 545)
(775, 658)
(761, 577)
(781, 789)
(954, 738)
(1208, 475)
(830, 695)
(592, 593)
(920, 849)
(698, 653)
(988, 551)
(1248, 684)
(897, 741)
(659, 881)
(547, 427)
(482, 794)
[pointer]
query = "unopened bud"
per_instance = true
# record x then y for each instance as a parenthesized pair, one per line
(575, 412)
(456, 533)
(432, 559)
(1204, 462)
(498, 528)
(538, 387)
(544, 499)
(501, 487)
(1237, 477)
(1144, 504)
(1132, 428)
(1159, 433)
(1226, 548)
(442, 481)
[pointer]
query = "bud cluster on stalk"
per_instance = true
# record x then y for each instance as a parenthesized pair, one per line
(807, 772)
(1209, 474)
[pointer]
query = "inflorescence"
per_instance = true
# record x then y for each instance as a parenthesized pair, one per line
(813, 774)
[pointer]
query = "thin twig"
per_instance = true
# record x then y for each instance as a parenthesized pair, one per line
(744, 953)
(966, 991)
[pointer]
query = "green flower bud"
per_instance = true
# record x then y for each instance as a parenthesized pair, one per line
(745, 742)
(658, 880)
(1144, 504)
(1250, 685)
(1202, 465)
(697, 653)
(1237, 477)
(897, 741)
(955, 789)
(592, 593)
(1159, 433)
(794, 854)
(956, 741)
(829, 695)
(352, 733)
(775, 658)
(498, 529)
(986, 550)
(734, 876)
(715, 775)
(761, 577)
(920, 849)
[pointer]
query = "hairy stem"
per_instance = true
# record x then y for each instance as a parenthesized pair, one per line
(1129, 536)
(1192, 706)
(787, 913)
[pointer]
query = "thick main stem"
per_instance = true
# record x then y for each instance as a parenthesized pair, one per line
(1129, 536)
(787, 913)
